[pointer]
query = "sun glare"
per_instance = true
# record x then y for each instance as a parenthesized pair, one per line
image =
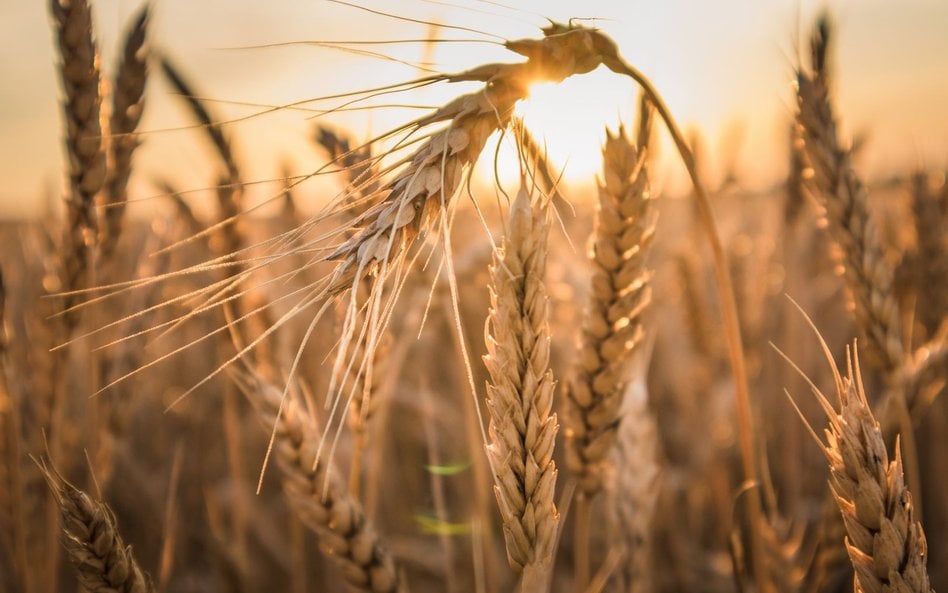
(570, 118)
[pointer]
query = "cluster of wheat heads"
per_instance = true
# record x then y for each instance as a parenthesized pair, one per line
(586, 473)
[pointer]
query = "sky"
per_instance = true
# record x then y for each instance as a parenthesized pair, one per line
(725, 68)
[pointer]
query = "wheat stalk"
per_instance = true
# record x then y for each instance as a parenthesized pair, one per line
(318, 495)
(128, 103)
(13, 511)
(520, 393)
(90, 536)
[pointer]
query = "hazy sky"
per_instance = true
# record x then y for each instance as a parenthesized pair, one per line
(724, 67)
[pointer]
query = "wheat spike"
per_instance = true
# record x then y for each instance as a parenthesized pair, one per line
(931, 239)
(620, 293)
(886, 544)
(79, 71)
(128, 104)
(844, 198)
(90, 536)
(520, 392)
(318, 495)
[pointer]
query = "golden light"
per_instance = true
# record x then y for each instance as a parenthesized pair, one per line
(570, 118)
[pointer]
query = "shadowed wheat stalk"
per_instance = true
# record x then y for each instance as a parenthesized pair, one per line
(520, 393)
(633, 491)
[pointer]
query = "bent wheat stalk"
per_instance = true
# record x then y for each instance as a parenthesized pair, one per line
(520, 393)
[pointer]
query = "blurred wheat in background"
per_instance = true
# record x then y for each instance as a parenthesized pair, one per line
(405, 372)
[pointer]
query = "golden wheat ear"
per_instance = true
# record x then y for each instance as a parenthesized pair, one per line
(520, 393)
(885, 542)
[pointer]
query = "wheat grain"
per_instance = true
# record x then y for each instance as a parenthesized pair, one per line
(885, 543)
(931, 269)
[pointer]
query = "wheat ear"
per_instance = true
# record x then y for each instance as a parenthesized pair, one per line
(885, 543)
(520, 393)
(620, 292)
(844, 198)
(318, 495)
(931, 240)
(128, 103)
(79, 71)
(90, 536)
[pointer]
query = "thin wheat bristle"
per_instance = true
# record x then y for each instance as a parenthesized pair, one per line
(90, 536)
(620, 293)
(318, 495)
(520, 393)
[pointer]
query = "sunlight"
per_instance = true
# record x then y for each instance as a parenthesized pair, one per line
(570, 119)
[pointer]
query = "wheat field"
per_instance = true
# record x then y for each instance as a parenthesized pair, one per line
(397, 374)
